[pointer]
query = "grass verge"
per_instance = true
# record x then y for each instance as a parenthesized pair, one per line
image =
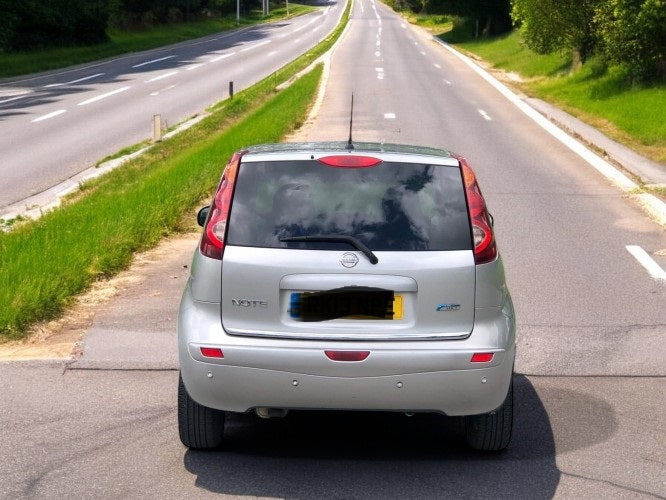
(598, 95)
(123, 42)
(45, 263)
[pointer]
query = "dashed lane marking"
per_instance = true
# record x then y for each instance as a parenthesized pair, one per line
(485, 115)
(78, 80)
(255, 45)
(152, 62)
(223, 56)
(647, 262)
(162, 77)
(103, 96)
(50, 115)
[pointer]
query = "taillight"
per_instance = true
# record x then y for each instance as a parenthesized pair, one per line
(215, 229)
(485, 249)
(350, 161)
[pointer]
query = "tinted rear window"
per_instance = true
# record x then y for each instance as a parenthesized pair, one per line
(392, 206)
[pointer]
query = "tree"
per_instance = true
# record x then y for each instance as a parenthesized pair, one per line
(493, 15)
(633, 32)
(550, 25)
(31, 24)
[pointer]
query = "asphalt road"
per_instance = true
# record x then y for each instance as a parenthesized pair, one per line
(591, 324)
(55, 125)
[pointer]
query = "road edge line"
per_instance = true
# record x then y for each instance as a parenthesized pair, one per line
(650, 204)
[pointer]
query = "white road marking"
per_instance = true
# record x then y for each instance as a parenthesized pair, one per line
(447, 82)
(403, 26)
(423, 53)
(24, 94)
(389, 116)
(103, 96)
(594, 160)
(193, 66)
(437, 66)
(484, 114)
(647, 262)
(161, 77)
(73, 81)
(153, 61)
(327, 9)
(297, 40)
(362, 8)
(162, 90)
(378, 54)
(223, 56)
(314, 30)
(379, 70)
(50, 115)
(255, 45)
(649, 202)
(271, 53)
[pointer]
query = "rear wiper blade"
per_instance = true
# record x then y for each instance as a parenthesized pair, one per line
(335, 238)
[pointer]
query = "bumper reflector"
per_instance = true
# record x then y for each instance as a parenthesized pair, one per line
(212, 352)
(482, 357)
(347, 355)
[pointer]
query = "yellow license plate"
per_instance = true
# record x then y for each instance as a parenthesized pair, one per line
(397, 306)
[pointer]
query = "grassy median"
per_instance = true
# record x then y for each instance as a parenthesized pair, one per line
(45, 263)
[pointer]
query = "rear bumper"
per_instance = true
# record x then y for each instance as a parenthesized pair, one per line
(416, 376)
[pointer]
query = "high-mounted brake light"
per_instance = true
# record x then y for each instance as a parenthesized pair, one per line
(350, 161)
(485, 249)
(215, 228)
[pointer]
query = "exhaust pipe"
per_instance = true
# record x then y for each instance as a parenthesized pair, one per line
(271, 412)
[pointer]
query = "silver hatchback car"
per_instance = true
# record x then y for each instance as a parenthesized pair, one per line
(346, 277)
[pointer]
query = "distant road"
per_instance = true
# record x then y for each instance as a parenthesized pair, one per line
(54, 126)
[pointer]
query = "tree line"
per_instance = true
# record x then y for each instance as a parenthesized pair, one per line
(35, 24)
(624, 32)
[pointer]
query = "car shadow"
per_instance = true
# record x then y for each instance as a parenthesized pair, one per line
(372, 455)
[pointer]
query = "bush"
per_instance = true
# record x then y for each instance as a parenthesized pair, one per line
(633, 33)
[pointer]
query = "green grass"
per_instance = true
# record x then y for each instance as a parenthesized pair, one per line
(123, 42)
(508, 53)
(45, 263)
(632, 115)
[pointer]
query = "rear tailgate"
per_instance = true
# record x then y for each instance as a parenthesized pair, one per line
(411, 215)
(258, 284)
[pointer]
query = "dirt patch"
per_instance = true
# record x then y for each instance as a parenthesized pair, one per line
(61, 338)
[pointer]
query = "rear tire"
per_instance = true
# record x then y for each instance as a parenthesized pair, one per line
(491, 431)
(199, 427)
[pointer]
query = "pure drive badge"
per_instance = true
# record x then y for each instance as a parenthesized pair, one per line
(448, 307)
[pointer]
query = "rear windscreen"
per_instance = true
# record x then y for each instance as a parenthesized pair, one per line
(388, 207)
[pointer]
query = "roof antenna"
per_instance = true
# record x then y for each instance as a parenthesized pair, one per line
(350, 146)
